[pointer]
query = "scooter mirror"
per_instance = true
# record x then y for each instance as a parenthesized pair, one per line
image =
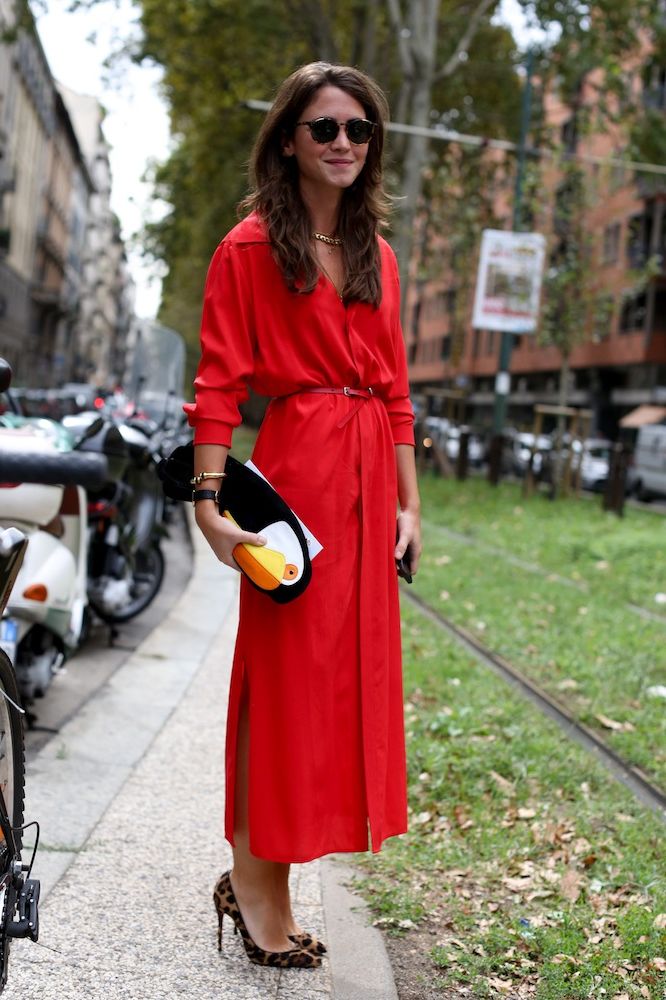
(5, 375)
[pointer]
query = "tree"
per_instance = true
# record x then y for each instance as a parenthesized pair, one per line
(208, 47)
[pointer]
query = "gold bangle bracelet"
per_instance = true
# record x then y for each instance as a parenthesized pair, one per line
(201, 476)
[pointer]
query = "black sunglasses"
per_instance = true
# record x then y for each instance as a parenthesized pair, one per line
(323, 130)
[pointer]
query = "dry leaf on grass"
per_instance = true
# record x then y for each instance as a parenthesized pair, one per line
(503, 783)
(571, 884)
(504, 985)
(462, 817)
(660, 921)
(619, 727)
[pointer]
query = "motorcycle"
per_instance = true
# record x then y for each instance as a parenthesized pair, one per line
(125, 517)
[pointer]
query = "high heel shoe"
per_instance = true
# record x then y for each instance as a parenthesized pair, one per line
(308, 942)
(226, 905)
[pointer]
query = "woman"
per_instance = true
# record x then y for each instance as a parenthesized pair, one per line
(302, 304)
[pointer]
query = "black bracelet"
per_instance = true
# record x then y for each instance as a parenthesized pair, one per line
(205, 495)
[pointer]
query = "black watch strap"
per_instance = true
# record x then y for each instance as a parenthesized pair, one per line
(204, 495)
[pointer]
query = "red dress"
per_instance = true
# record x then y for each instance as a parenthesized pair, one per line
(327, 754)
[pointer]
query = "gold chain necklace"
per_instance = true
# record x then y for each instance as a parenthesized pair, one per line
(331, 241)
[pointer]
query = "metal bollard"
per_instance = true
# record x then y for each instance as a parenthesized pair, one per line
(495, 459)
(616, 487)
(462, 462)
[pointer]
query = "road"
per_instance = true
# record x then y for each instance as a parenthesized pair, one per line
(103, 653)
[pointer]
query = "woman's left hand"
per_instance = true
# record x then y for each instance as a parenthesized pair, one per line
(409, 535)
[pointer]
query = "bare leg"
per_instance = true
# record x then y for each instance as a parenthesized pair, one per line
(254, 880)
(284, 899)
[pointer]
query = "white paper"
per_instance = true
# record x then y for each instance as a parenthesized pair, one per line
(314, 546)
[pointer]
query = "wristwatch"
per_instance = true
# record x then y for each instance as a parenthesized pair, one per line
(205, 495)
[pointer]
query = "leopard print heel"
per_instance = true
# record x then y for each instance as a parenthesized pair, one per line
(226, 906)
(308, 942)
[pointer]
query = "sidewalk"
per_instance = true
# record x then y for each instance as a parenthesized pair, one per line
(129, 796)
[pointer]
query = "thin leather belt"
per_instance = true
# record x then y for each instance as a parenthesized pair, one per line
(345, 390)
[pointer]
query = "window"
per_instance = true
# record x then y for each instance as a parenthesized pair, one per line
(476, 343)
(634, 309)
(659, 322)
(639, 235)
(654, 86)
(569, 134)
(446, 348)
(490, 342)
(611, 247)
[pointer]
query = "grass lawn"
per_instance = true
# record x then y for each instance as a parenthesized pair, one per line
(549, 586)
(527, 871)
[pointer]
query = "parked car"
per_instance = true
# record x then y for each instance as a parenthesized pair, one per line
(519, 448)
(594, 463)
(475, 447)
(647, 473)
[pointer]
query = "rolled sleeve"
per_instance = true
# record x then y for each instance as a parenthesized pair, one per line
(227, 350)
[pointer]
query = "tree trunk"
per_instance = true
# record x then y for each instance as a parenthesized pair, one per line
(423, 19)
(562, 396)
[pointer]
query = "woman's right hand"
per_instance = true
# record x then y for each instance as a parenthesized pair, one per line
(222, 534)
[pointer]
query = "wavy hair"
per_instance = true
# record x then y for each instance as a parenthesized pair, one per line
(276, 198)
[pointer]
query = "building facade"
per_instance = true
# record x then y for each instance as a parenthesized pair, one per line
(107, 293)
(66, 297)
(618, 360)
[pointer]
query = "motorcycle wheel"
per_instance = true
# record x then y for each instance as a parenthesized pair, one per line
(146, 582)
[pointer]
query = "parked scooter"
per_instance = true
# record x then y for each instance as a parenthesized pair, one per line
(125, 561)
(41, 493)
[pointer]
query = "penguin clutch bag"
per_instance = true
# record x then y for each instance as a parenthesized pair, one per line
(281, 568)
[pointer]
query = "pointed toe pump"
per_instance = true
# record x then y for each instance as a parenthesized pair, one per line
(308, 942)
(226, 906)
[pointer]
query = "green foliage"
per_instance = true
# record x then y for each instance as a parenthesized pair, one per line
(216, 54)
(219, 53)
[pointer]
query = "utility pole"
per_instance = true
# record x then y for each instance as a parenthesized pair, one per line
(503, 378)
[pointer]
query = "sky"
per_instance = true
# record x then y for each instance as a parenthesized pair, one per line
(137, 122)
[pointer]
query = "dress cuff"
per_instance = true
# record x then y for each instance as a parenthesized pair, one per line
(213, 432)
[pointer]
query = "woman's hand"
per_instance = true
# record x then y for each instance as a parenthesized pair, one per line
(222, 534)
(409, 535)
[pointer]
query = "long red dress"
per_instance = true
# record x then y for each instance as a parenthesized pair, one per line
(327, 754)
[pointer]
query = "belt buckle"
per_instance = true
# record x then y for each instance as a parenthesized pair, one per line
(346, 390)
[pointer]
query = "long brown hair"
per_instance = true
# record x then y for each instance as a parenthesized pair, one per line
(276, 195)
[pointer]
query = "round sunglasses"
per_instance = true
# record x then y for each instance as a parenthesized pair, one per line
(323, 130)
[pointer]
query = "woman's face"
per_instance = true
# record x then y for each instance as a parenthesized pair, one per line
(335, 164)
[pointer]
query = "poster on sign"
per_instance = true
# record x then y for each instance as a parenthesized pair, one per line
(508, 284)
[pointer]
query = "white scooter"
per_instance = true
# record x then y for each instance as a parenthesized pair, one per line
(46, 614)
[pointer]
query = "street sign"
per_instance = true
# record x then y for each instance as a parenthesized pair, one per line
(508, 284)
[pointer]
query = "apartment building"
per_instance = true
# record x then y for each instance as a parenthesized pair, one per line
(107, 291)
(619, 361)
(66, 296)
(27, 124)
(58, 269)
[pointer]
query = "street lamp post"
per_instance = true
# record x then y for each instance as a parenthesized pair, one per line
(503, 377)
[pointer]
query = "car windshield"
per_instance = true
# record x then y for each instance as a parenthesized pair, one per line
(599, 451)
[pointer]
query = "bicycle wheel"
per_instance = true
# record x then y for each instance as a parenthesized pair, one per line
(12, 783)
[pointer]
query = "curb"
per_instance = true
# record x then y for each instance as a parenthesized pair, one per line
(360, 965)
